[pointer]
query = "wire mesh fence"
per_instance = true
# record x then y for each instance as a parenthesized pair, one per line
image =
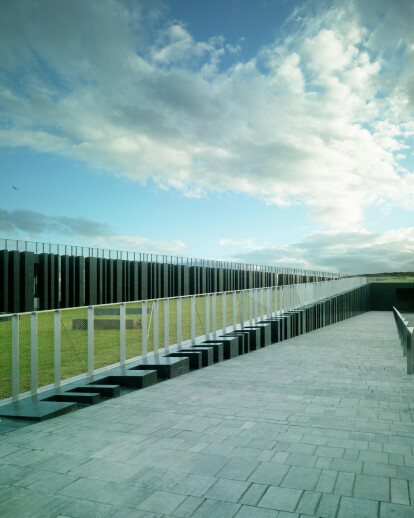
(73, 342)
(24, 352)
(45, 348)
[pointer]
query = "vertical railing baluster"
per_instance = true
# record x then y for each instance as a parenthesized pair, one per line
(122, 333)
(144, 341)
(91, 331)
(179, 331)
(166, 325)
(242, 309)
(213, 315)
(207, 304)
(56, 348)
(193, 312)
(234, 299)
(256, 303)
(156, 330)
(250, 293)
(33, 354)
(15, 357)
(223, 312)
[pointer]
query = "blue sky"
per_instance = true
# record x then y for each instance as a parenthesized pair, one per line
(268, 131)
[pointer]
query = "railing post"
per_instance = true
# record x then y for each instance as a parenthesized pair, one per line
(251, 307)
(262, 303)
(224, 312)
(15, 358)
(179, 323)
(56, 347)
(144, 341)
(90, 341)
(156, 331)
(410, 352)
(193, 319)
(213, 315)
(33, 354)
(207, 330)
(256, 303)
(234, 311)
(269, 309)
(166, 325)
(242, 309)
(122, 333)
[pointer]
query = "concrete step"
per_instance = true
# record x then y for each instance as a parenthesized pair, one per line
(166, 367)
(129, 378)
(32, 409)
(195, 358)
(89, 398)
(217, 350)
(107, 391)
(243, 338)
(207, 354)
(230, 346)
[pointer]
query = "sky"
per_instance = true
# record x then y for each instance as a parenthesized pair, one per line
(275, 132)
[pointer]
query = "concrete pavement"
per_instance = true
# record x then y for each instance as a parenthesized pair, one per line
(318, 425)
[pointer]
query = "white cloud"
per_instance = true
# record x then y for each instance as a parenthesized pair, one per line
(356, 251)
(83, 231)
(319, 118)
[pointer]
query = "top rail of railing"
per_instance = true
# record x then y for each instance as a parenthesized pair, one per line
(87, 251)
(406, 335)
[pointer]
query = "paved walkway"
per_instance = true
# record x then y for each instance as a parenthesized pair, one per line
(319, 425)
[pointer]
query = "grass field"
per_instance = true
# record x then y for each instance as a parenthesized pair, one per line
(74, 342)
(391, 278)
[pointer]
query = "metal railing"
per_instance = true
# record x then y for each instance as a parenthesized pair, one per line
(46, 349)
(406, 334)
(86, 251)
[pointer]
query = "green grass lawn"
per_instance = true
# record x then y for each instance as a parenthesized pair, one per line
(74, 342)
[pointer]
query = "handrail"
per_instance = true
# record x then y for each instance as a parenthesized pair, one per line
(50, 348)
(406, 335)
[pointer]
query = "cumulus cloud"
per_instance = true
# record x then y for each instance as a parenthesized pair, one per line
(82, 230)
(321, 117)
(356, 251)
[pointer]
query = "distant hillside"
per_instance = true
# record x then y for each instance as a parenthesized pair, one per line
(389, 274)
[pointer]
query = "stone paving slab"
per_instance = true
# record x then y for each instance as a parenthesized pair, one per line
(319, 425)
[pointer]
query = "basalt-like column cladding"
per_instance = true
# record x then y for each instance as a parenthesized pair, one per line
(30, 281)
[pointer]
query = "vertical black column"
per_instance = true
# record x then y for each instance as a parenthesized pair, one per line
(14, 281)
(125, 280)
(100, 280)
(26, 281)
(91, 278)
(143, 280)
(52, 288)
(220, 280)
(79, 281)
(172, 287)
(178, 269)
(42, 281)
(193, 280)
(163, 291)
(64, 281)
(133, 280)
(185, 280)
(72, 282)
(4, 281)
(109, 281)
(203, 279)
(117, 290)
